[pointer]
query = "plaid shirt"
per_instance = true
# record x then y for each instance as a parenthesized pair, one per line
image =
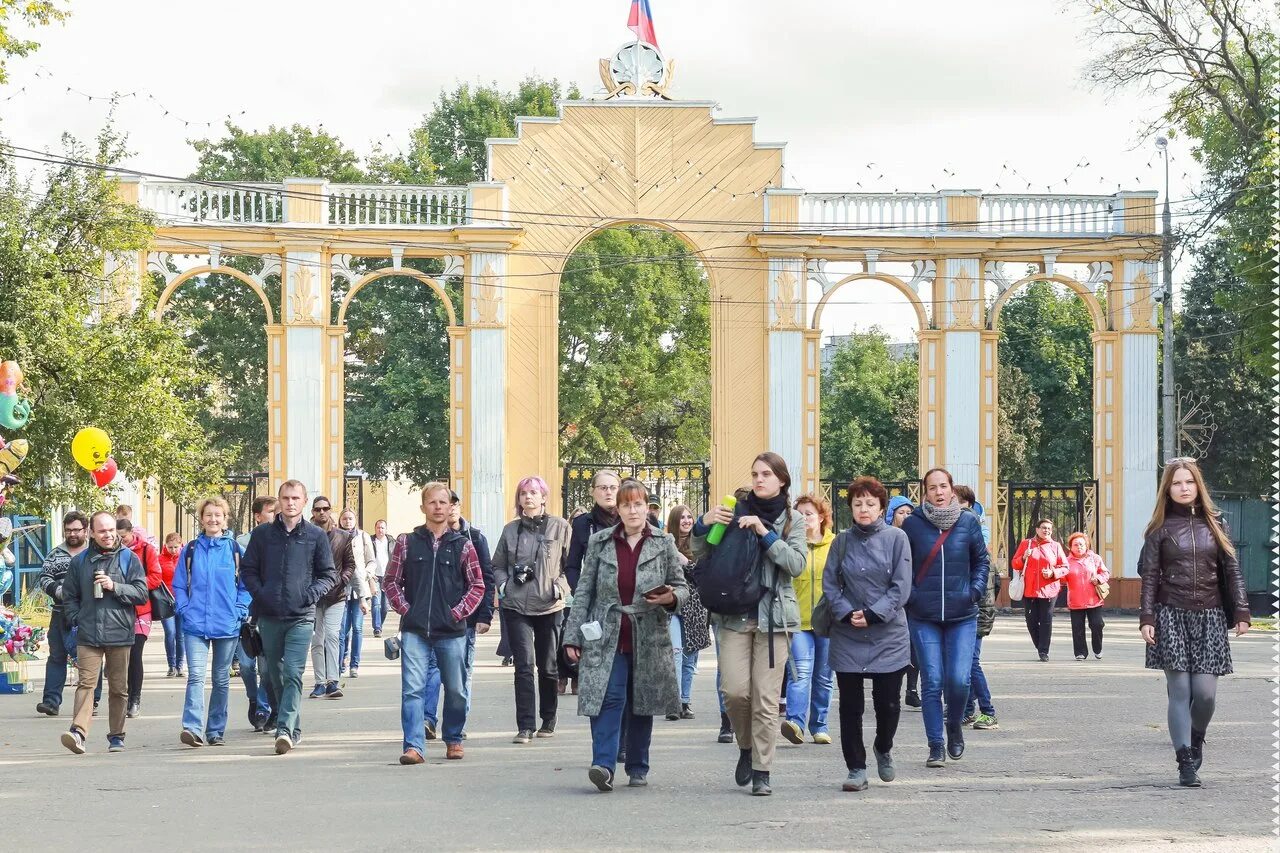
(394, 580)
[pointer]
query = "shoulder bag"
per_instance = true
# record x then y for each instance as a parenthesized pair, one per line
(1017, 582)
(162, 603)
(821, 620)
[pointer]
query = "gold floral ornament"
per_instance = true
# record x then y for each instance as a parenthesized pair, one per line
(786, 303)
(1141, 308)
(488, 301)
(304, 296)
(964, 301)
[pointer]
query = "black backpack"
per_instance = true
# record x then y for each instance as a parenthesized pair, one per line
(728, 578)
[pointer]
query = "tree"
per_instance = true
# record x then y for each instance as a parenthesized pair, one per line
(88, 361)
(1046, 334)
(276, 154)
(32, 13)
(870, 411)
(635, 350)
(1210, 365)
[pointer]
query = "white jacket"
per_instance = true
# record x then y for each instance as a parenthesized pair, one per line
(361, 584)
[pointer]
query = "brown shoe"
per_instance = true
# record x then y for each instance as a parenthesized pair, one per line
(562, 686)
(453, 751)
(411, 756)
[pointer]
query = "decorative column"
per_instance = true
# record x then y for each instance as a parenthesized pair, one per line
(787, 373)
(812, 453)
(485, 379)
(960, 312)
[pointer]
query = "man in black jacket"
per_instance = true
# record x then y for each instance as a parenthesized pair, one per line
(603, 515)
(287, 567)
(53, 571)
(101, 591)
(326, 636)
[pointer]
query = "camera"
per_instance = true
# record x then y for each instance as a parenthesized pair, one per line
(522, 574)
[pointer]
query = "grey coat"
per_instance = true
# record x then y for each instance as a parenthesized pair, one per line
(785, 559)
(107, 621)
(655, 690)
(545, 550)
(869, 570)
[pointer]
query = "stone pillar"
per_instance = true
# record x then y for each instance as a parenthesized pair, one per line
(484, 378)
(960, 312)
(787, 373)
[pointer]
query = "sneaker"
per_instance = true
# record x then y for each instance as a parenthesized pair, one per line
(508, 661)
(1044, 657)
(47, 708)
(968, 719)
(884, 765)
(856, 781)
(332, 691)
(822, 738)
(912, 699)
(601, 778)
(73, 741)
(429, 729)
(686, 711)
(639, 780)
(115, 743)
(173, 670)
(1097, 655)
(548, 729)
(95, 709)
(1082, 657)
(355, 672)
(235, 669)
(453, 751)
(216, 740)
(671, 718)
(411, 756)
(986, 723)
(179, 673)
(296, 737)
(257, 724)
(760, 783)
(937, 756)
(523, 736)
(190, 738)
(792, 732)
(318, 693)
(377, 633)
(342, 669)
(269, 727)
(133, 708)
(284, 743)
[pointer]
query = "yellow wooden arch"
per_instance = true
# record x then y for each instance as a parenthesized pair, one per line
(168, 292)
(1090, 301)
(429, 281)
(921, 317)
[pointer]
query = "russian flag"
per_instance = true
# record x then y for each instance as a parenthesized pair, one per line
(640, 22)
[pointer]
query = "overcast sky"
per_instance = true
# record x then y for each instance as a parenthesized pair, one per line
(919, 89)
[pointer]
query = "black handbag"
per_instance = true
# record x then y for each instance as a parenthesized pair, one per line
(251, 638)
(162, 603)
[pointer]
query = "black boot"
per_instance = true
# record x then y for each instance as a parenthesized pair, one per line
(1187, 777)
(726, 730)
(742, 774)
(686, 711)
(1197, 748)
(760, 783)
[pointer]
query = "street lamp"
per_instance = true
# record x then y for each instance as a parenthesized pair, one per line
(1167, 393)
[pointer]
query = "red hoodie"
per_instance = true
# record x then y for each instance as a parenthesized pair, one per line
(168, 562)
(1034, 556)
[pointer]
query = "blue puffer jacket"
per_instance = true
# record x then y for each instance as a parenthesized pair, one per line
(957, 579)
(214, 601)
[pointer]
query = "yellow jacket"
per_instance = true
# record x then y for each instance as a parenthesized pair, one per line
(808, 585)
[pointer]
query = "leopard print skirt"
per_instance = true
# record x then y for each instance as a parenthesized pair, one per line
(1190, 641)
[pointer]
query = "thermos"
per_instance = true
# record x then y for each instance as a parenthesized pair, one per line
(717, 530)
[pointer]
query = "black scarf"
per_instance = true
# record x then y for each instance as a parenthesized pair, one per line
(768, 509)
(603, 519)
(534, 523)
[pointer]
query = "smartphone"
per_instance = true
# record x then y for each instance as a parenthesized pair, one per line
(657, 590)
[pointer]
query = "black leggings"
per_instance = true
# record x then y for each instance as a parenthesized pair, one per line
(886, 696)
(533, 645)
(913, 671)
(1039, 615)
(1094, 615)
(135, 668)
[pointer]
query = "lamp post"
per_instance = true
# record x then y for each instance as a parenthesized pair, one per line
(1168, 394)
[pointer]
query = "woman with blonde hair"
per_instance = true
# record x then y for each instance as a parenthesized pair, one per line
(1192, 593)
(1085, 573)
(808, 690)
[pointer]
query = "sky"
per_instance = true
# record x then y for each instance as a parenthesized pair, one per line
(869, 97)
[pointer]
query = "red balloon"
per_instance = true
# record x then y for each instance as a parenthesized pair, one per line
(104, 475)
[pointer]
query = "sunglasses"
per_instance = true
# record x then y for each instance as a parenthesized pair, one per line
(321, 508)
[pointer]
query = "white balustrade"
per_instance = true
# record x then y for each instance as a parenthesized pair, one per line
(1051, 214)
(176, 202)
(1004, 214)
(872, 210)
(389, 204)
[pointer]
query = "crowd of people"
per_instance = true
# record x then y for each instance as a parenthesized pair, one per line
(611, 608)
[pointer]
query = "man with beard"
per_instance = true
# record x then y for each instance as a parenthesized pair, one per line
(53, 571)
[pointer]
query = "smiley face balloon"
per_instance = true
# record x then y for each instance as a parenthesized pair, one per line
(91, 447)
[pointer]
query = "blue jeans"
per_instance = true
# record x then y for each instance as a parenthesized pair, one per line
(378, 607)
(284, 653)
(450, 654)
(432, 701)
(193, 719)
(945, 654)
(254, 688)
(686, 662)
(809, 692)
(61, 646)
(607, 726)
(979, 692)
(352, 626)
(173, 649)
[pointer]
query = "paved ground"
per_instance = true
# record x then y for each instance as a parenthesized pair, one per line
(1081, 760)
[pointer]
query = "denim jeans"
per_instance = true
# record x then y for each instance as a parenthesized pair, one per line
(450, 655)
(254, 688)
(173, 650)
(378, 606)
(945, 654)
(979, 692)
(193, 711)
(607, 727)
(352, 629)
(686, 662)
(809, 691)
(284, 652)
(55, 667)
(430, 710)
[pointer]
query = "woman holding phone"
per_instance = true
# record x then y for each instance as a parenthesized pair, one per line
(618, 633)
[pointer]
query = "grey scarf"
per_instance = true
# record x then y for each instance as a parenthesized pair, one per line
(943, 517)
(874, 527)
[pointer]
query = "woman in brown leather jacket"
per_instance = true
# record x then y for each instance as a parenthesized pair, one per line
(1192, 592)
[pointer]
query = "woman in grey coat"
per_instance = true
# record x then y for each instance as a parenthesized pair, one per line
(867, 590)
(618, 633)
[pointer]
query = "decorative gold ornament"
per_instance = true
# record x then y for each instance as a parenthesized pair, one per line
(637, 69)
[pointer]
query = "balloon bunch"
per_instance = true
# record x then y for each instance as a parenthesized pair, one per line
(91, 448)
(15, 410)
(18, 638)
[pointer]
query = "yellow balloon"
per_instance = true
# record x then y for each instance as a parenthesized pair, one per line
(90, 448)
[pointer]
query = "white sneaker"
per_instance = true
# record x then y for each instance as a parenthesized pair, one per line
(283, 744)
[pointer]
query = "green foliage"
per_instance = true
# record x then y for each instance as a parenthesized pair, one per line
(1045, 334)
(870, 411)
(30, 13)
(87, 360)
(279, 153)
(635, 351)
(1211, 365)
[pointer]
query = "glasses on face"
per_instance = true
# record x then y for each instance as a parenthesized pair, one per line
(75, 530)
(321, 508)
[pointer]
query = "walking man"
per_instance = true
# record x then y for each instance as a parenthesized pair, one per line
(103, 586)
(53, 573)
(325, 636)
(434, 582)
(258, 690)
(382, 545)
(287, 567)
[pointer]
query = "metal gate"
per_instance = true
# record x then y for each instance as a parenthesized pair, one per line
(686, 483)
(1070, 506)
(837, 494)
(239, 491)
